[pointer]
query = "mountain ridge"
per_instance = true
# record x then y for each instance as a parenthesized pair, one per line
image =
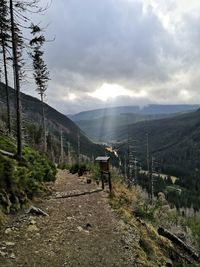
(150, 109)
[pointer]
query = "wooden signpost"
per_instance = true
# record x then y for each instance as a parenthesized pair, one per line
(104, 169)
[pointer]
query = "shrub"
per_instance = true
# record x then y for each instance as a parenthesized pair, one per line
(20, 181)
(63, 166)
(74, 168)
(82, 169)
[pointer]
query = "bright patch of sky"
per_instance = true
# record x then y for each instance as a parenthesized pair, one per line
(107, 91)
(122, 52)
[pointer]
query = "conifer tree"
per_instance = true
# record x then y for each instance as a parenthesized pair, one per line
(41, 73)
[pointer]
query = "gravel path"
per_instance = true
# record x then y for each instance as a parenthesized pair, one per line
(80, 231)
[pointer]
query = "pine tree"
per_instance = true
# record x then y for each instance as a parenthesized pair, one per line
(41, 73)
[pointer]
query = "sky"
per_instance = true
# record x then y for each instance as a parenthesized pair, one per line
(122, 52)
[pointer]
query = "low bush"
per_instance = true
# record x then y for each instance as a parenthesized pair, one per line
(22, 180)
(79, 168)
(82, 169)
(74, 168)
(63, 166)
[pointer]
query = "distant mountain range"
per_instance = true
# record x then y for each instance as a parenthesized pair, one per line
(146, 110)
(103, 124)
(32, 113)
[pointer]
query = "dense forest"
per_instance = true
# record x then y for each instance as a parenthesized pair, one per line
(174, 149)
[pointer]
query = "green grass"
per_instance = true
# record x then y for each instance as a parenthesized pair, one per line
(20, 181)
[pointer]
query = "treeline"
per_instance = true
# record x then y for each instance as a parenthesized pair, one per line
(15, 22)
(180, 194)
(23, 171)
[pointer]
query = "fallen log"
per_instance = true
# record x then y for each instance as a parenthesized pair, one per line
(175, 239)
(72, 194)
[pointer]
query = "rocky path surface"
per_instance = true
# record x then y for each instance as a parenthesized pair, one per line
(80, 231)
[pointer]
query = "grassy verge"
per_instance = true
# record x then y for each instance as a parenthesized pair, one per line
(151, 248)
(22, 181)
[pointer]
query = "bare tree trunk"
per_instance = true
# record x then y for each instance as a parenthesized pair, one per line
(61, 147)
(16, 84)
(44, 124)
(6, 83)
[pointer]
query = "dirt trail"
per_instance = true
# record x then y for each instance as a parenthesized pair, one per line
(80, 231)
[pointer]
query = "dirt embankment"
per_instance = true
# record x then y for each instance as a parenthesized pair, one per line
(79, 231)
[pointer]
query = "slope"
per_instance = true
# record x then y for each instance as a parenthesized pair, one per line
(174, 145)
(84, 231)
(101, 129)
(101, 124)
(32, 113)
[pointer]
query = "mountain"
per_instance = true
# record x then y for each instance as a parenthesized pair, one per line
(101, 124)
(102, 129)
(32, 115)
(146, 110)
(174, 144)
(176, 138)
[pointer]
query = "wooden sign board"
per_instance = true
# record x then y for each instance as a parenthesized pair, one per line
(103, 163)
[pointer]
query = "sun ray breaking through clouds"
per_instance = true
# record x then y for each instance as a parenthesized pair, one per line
(123, 52)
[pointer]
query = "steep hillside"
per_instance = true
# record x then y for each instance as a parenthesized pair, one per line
(21, 181)
(174, 143)
(32, 113)
(177, 135)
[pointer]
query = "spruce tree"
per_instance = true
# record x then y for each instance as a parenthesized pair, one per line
(41, 73)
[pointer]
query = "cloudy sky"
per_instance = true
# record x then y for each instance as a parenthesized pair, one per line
(122, 52)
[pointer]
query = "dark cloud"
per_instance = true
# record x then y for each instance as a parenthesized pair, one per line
(117, 41)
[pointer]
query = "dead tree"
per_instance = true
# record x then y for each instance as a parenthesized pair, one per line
(4, 39)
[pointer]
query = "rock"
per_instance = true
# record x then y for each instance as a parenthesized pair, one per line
(89, 181)
(88, 226)
(32, 228)
(8, 230)
(12, 256)
(9, 244)
(3, 254)
(38, 235)
(169, 263)
(80, 228)
(37, 211)
(32, 222)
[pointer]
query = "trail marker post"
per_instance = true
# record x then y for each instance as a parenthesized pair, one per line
(104, 169)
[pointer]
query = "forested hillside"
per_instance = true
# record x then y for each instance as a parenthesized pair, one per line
(174, 145)
(102, 125)
(56, 122)
(102, 129)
